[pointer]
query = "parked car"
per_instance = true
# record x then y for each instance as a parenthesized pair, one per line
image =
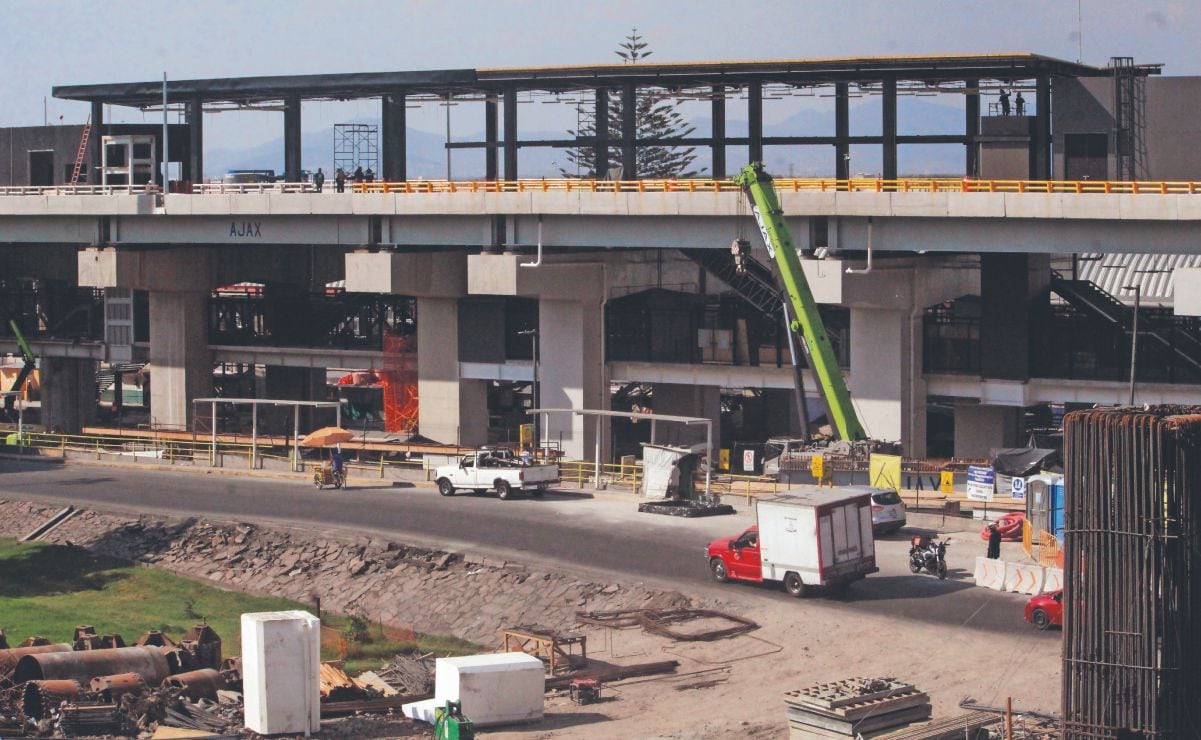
(1045, 610)
(888, 511)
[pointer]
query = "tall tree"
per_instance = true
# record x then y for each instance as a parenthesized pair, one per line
(654, 116)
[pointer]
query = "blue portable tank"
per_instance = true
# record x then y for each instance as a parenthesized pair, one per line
(1055, 506)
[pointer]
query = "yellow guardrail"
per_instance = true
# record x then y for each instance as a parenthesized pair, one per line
(581, 472)
(822, 185)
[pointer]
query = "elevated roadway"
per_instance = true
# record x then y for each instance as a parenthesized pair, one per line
(601, 535)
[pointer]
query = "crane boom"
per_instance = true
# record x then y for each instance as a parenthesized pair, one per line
(760, 191)
(26, 370)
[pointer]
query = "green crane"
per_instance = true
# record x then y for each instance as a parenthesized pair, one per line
(30, 364)
(760, 191)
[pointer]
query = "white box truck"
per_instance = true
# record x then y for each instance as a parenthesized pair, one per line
(807, 536)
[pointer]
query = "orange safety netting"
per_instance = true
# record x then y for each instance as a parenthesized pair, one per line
(399, 381)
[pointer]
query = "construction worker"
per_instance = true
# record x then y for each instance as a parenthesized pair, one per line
(994, 542)
(1004, 102)
(319, 179)
(340, 180)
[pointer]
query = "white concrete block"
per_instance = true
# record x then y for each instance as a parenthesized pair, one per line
(281, 664)
(422, 711)
(494, 689)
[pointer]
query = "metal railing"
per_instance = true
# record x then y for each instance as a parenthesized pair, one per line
(691, 185)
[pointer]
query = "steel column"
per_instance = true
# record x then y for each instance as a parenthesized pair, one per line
(1041, 141)
(510, 103)
(195, 114)
(213, 453)
(629, 132)
(600, 153)
(754, 116)
(842, 131)
(254, 435)
(96, 142)
(292, 164)
(394, 144)
(491, 121)
(719, 132)
(971, 127)
(295, 439)
(890, 129)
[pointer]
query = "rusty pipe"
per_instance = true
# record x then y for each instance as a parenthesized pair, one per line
(85, 665)
(9, 658)
(39, 697)
(112, 688)
(196, 685)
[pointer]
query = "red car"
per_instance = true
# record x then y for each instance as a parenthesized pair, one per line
(1045, 610)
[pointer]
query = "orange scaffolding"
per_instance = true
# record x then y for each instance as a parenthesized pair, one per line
(399, 380)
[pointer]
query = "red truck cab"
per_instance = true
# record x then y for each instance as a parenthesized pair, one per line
(736, 558)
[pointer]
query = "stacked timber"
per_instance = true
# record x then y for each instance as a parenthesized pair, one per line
(854, 707)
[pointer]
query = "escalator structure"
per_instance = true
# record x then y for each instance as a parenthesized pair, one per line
(755, 283)
(1089, 298)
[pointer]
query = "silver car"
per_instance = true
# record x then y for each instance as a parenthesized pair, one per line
(888, 511)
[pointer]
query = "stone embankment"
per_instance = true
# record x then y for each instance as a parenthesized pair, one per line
(402, 586)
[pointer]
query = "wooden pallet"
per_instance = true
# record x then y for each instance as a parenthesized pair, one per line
(867, 708)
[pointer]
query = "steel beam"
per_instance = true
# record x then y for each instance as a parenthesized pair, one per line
(719, 132)
(394, 144)
(600, 152)
(629, 132)
(491, 116)
(96, 142)
(510, 103)
(971, 128)
(754, 115)
(890, 129)
(195, 113)
(842, 131)
(292, 163)
(1041, 141)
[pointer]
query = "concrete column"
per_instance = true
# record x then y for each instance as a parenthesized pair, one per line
(601, 151)
(68, 392)
(181, 365)
(890, 129)
(719, 132)
(629, 132)
(393, 144)
(292, 165)
(1014, 298)
(842, 131)
(754, 116)
(890, 404)
(571, 372)
(491, 116)
(687, 400)
(195, 113)
(971, 128)
(980, 428)
(510, 103)
(449, 410)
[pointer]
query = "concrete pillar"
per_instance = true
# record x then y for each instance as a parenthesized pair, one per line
(980, 428)
(68, 393)
(842, 131)
(571, 373)
(687, 400)
(629, 132)
(601, 151)
(1014, 299)
(292, 164)
(449, 410)
(754, 116)
(393, 144)
(890, 129)
(195, 113)
(890, 402)
(718, 147)
(510, 103)
(181, 365)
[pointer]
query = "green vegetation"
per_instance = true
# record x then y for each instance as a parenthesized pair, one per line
(49, 589)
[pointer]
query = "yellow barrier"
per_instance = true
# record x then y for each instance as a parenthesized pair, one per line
(1028, 537)
(1050, 555)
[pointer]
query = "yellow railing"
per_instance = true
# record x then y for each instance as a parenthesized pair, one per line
(746, 486)
(1050, 554)
(581, 473)
(1028, 537)
(821, 185)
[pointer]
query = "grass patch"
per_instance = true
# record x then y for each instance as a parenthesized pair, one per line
(49, 589)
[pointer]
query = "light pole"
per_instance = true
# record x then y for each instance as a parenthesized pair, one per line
(1138, 291)
(533, 335)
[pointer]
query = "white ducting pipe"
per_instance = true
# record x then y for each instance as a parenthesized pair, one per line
(866, 270)
(537, 262)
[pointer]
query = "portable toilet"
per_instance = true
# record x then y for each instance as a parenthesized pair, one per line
(1044, 504)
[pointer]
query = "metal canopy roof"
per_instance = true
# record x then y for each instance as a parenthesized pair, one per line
(248, 90)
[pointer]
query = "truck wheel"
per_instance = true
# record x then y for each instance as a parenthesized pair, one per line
(504, 490)
(794, 585)
(445, 487)
(719, 570)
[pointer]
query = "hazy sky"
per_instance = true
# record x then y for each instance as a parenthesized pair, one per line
(57, 42)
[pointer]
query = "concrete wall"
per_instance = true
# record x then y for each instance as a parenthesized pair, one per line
(450, 409)
(181, 364)
(980, 428)
(63, 140)
(68, 392)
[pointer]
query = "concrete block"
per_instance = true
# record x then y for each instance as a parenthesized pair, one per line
(825, 279)
(1186, 291)
(495, 689)
(1052, 579)
(1023, 578)
(990, 573)
(422, 711)
(281, 664)
(423, 274)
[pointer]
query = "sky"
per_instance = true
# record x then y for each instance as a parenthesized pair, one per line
(58, 42)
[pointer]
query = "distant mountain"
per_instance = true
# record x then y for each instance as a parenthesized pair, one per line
(427, 156)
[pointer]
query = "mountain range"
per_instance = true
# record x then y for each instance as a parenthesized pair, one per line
(427, 155)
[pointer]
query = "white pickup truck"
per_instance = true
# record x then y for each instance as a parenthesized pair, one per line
(488, 470)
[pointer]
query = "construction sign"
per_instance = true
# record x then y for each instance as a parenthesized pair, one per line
(817, 467)
(946, 482)
(884, 471)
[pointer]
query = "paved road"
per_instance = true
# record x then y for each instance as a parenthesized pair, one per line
(597, 534)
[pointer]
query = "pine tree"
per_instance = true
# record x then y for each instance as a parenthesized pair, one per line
(653, 117)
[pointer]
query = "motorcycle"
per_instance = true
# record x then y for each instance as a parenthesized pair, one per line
(929, 555)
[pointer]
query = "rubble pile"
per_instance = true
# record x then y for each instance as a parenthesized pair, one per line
(469, 596)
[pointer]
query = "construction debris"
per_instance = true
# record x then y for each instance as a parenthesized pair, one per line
(852, 707)
(86, 720)
(551, 646)
(410, 673)
(951, 728)
(615, 673)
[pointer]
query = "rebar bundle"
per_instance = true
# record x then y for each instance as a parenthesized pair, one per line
(1132, 573)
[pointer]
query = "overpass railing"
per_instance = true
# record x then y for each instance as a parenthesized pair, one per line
(820, 185)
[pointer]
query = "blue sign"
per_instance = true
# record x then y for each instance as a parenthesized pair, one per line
(981, 482)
